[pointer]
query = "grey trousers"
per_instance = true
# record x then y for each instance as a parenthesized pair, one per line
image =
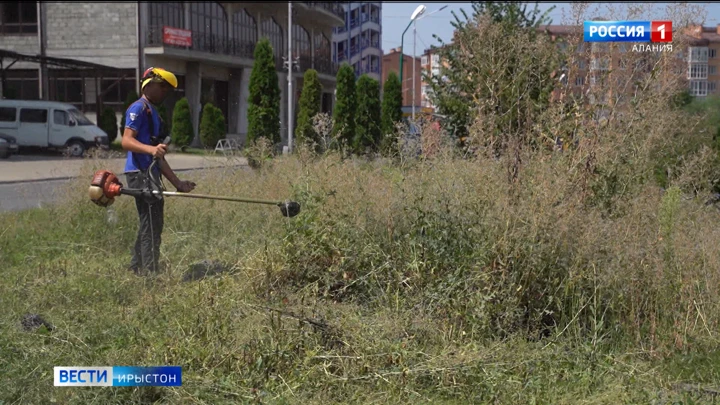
(146, 252)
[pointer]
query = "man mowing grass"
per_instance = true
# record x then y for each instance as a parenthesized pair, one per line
(142, 139)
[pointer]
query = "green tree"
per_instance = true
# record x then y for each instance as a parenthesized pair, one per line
(368, 132)
(264, 99)
(310, 105)
(520, 83)
(345, 105)
(166, 124)
(212, 125)
(391, 109)
(182, 128)
(131, 98)
(108, 123)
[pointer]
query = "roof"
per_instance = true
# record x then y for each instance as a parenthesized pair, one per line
(562, 29)
(50, 60)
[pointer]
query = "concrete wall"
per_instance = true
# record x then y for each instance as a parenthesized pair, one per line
(103, 33)
(27, 44)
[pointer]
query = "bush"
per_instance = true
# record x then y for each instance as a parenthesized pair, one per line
(345, 105)
(368, 133)
(182, 128)
(264, 99)
(310, 105)
(131, 98)
(108, 123)
(212, 126)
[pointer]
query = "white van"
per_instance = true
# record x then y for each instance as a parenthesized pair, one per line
(50, 124)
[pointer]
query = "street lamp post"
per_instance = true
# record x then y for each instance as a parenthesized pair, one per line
(414, 22)
(417, 13)
(289, 77)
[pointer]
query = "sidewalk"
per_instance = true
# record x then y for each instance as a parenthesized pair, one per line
(21, 169)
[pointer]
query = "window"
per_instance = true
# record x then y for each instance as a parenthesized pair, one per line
(301, 42)
(600, 64)
(67, 90)
(436, 58)
(61, 117)
(579, 81)
(622, 48)
(209, 25)
(711, 53)
(600, 47)
(33, 115)
(581, 47)
(119, 92)
(8, 114)
(581, 64)
(244, 30)
(699, 54)
(698, 71)
(79, 117)
(712, 86)
(271, 30)
(323, 61)
(161, 14)
(22, 84)
(698, 88)
(424, 60)
(18, 17)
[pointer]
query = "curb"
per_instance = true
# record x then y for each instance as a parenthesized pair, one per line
(2, 183)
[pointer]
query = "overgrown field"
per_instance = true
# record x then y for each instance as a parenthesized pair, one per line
(428, 281)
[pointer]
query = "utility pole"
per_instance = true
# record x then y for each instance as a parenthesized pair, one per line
(289, 78)
(414, 71)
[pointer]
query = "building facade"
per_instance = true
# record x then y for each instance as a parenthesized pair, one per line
(359, 41)
(391, 63)
(594, 63)
(208, 45)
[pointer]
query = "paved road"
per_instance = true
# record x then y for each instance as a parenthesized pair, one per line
(34, 194)
(20, 196)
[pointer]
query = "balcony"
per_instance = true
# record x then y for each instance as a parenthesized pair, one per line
(333, 8)
(203, 42)
(371, 69)
(324, 65)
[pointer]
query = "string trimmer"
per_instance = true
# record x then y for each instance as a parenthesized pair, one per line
(105, 186)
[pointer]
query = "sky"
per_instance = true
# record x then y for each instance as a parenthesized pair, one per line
(396, 16)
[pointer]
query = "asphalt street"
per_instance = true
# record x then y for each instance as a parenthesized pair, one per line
(36, 194)
(20, 196)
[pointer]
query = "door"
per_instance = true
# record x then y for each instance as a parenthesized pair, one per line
(62, 127)
(33, 129)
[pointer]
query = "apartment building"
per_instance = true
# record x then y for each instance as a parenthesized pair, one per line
(359, 41)
(593, 63)
(391, 63)
(92, 54)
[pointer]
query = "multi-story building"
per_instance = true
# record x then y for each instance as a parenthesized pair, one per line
(595, 62)
(92, 54)
(391, 63)
(359, 41)
(431, 68)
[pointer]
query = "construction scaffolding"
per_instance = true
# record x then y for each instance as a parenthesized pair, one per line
(69, 67)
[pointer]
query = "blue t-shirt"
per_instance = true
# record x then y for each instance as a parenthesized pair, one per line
(136, 118)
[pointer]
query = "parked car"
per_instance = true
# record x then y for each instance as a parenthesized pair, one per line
(51, 125)
(8, 146)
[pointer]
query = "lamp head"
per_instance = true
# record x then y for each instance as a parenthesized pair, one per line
(418, 12)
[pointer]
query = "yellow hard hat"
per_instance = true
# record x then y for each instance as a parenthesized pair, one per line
(154, 74)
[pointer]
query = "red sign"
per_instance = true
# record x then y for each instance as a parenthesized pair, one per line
(661, 31)
(177, 36)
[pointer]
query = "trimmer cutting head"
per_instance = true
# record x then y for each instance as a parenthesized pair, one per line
(289, 208)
